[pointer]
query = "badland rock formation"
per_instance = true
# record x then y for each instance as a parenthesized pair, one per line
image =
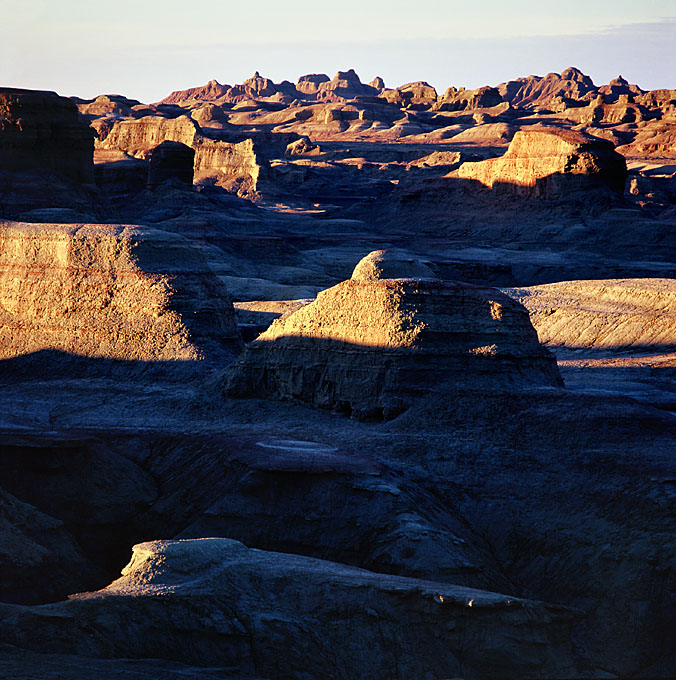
(551, 163)
(110, 291)
(475, 517)
(370, 345)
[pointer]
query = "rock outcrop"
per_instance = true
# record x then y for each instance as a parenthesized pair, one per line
(110, 292)
(614, 314)
(171, 161)
(373, 344)
(460, 99)
(534, 90)
(551, 163)
(41, 132)
(215, 602)
(45, 156)
(139, 137)
(39, 560)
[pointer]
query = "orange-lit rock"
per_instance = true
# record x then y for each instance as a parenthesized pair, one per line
(551, 163)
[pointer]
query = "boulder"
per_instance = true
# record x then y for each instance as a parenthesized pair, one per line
(551, 163)
(375, 343)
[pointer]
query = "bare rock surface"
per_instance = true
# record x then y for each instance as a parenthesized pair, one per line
(112, 292)
(45, 154)
(39, 560)
(275, 615)
(371, 344)
(40, 131)
(614, 314)
(549, 163)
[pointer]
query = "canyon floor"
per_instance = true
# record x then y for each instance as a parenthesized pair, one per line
(332, 380)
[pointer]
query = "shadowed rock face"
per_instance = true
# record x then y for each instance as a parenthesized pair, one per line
(370, 345)
(550, 163)
(41, 132)
(110, 291)
(273, 615)
(171, 160)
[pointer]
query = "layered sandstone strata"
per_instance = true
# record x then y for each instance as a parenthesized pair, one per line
(551, 162)
(373, 344)
(110, 291)
(233, 164)
(41, 132)
(610, 313)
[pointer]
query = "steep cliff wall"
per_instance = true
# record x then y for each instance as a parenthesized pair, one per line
(110, 291)
(40, 131)
(550, 163)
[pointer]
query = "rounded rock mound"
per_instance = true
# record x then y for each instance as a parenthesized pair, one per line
(374, 344)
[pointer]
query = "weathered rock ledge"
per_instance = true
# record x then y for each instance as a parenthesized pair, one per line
(110, 292)
(371, 345)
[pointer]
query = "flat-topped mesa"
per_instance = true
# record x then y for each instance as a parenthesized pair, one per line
(103, 291)
(548, 162)
(41, 132)
(374, 344)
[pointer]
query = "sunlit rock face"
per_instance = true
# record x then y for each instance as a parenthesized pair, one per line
(373, 344)
(551, 163)
(607, 313)
(110, 291)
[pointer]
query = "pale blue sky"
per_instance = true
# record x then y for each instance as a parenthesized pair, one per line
(146, 48)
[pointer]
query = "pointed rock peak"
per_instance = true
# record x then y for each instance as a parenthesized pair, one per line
(256, 75)
(213, 83)
(378, 83)
(573, 73)
(619, 81)
(391, 264)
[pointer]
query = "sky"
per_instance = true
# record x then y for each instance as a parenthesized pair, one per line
(145, 49)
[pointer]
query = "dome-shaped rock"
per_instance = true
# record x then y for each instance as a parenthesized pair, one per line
(372, 345)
